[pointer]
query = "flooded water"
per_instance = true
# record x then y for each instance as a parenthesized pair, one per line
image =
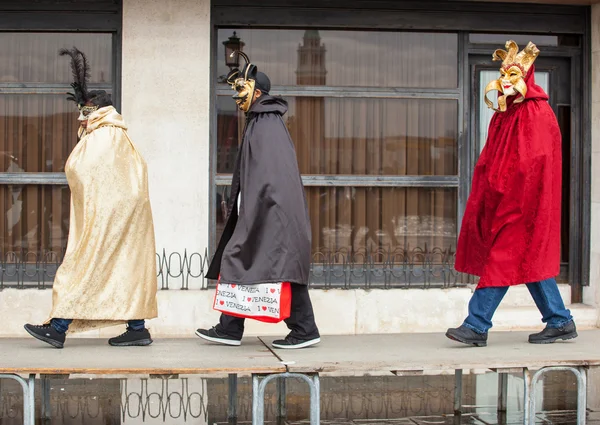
(344, 401)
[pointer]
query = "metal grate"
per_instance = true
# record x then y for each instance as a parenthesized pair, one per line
(420, 267)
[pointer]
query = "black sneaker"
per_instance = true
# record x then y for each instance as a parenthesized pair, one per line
(47, 334)
(550, 335)
(291, 342)
(131, 338)
(467, 336)
(213, 335)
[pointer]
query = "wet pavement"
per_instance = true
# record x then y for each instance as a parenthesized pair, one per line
(380, 400)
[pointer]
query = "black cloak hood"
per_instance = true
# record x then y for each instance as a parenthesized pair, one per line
(269, 239)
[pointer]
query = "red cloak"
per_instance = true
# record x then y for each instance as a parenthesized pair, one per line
(510, 232)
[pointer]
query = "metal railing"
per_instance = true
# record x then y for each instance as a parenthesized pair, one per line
(176, 270)
(420, 267)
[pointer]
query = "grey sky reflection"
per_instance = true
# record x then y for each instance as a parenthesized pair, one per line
(355, 58)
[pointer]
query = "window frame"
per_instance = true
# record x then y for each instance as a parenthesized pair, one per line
(78, 16)
(376, 181)
(320, 180)
(459, 17)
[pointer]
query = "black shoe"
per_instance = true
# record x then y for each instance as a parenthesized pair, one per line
(47, 334)
(467, 336)
(549, 335)
(291, 342)
(131, 338)
(213, 335)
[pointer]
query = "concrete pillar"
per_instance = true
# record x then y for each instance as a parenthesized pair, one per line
(166, 102)
(592, 294)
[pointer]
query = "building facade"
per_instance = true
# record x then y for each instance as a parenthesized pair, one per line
(385, 109)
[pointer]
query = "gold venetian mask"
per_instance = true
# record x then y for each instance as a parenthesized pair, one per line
(243, 82)
(85, 112)
(515, 66)
(244, 93)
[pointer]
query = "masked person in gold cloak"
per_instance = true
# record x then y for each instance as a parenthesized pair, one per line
(108, 275)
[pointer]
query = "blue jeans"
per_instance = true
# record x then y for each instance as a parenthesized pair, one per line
(485, 301)
(62, 325)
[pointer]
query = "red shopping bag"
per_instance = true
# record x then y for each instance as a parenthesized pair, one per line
(266, 302)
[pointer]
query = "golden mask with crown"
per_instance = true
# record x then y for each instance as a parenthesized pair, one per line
(243, 82)
(515, 66)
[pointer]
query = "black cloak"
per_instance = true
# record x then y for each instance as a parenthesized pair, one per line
(269, 240)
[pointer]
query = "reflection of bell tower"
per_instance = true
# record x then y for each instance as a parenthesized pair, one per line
(310, 124)
(310, 111)
(311, 60)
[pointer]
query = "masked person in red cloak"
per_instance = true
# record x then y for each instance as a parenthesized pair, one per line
(510, 232)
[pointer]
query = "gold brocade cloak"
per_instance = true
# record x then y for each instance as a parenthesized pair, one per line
(108, 275)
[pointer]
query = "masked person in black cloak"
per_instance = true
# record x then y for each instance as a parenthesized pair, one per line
(267, 237)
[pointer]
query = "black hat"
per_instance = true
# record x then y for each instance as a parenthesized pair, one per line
(262, 82)
(249, 72)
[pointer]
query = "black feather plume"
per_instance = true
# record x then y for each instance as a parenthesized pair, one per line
(81, 75)
(85, 79)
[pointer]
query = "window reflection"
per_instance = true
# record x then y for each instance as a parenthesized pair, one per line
(350, 219)
(371, 219)
(35, 218)
(358, 136)
(349, 58)
(37, 132)
(521, 39)
(33, 57)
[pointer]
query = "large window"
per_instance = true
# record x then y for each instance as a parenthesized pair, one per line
(374, 116)
(387, 118)
(38, 130)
